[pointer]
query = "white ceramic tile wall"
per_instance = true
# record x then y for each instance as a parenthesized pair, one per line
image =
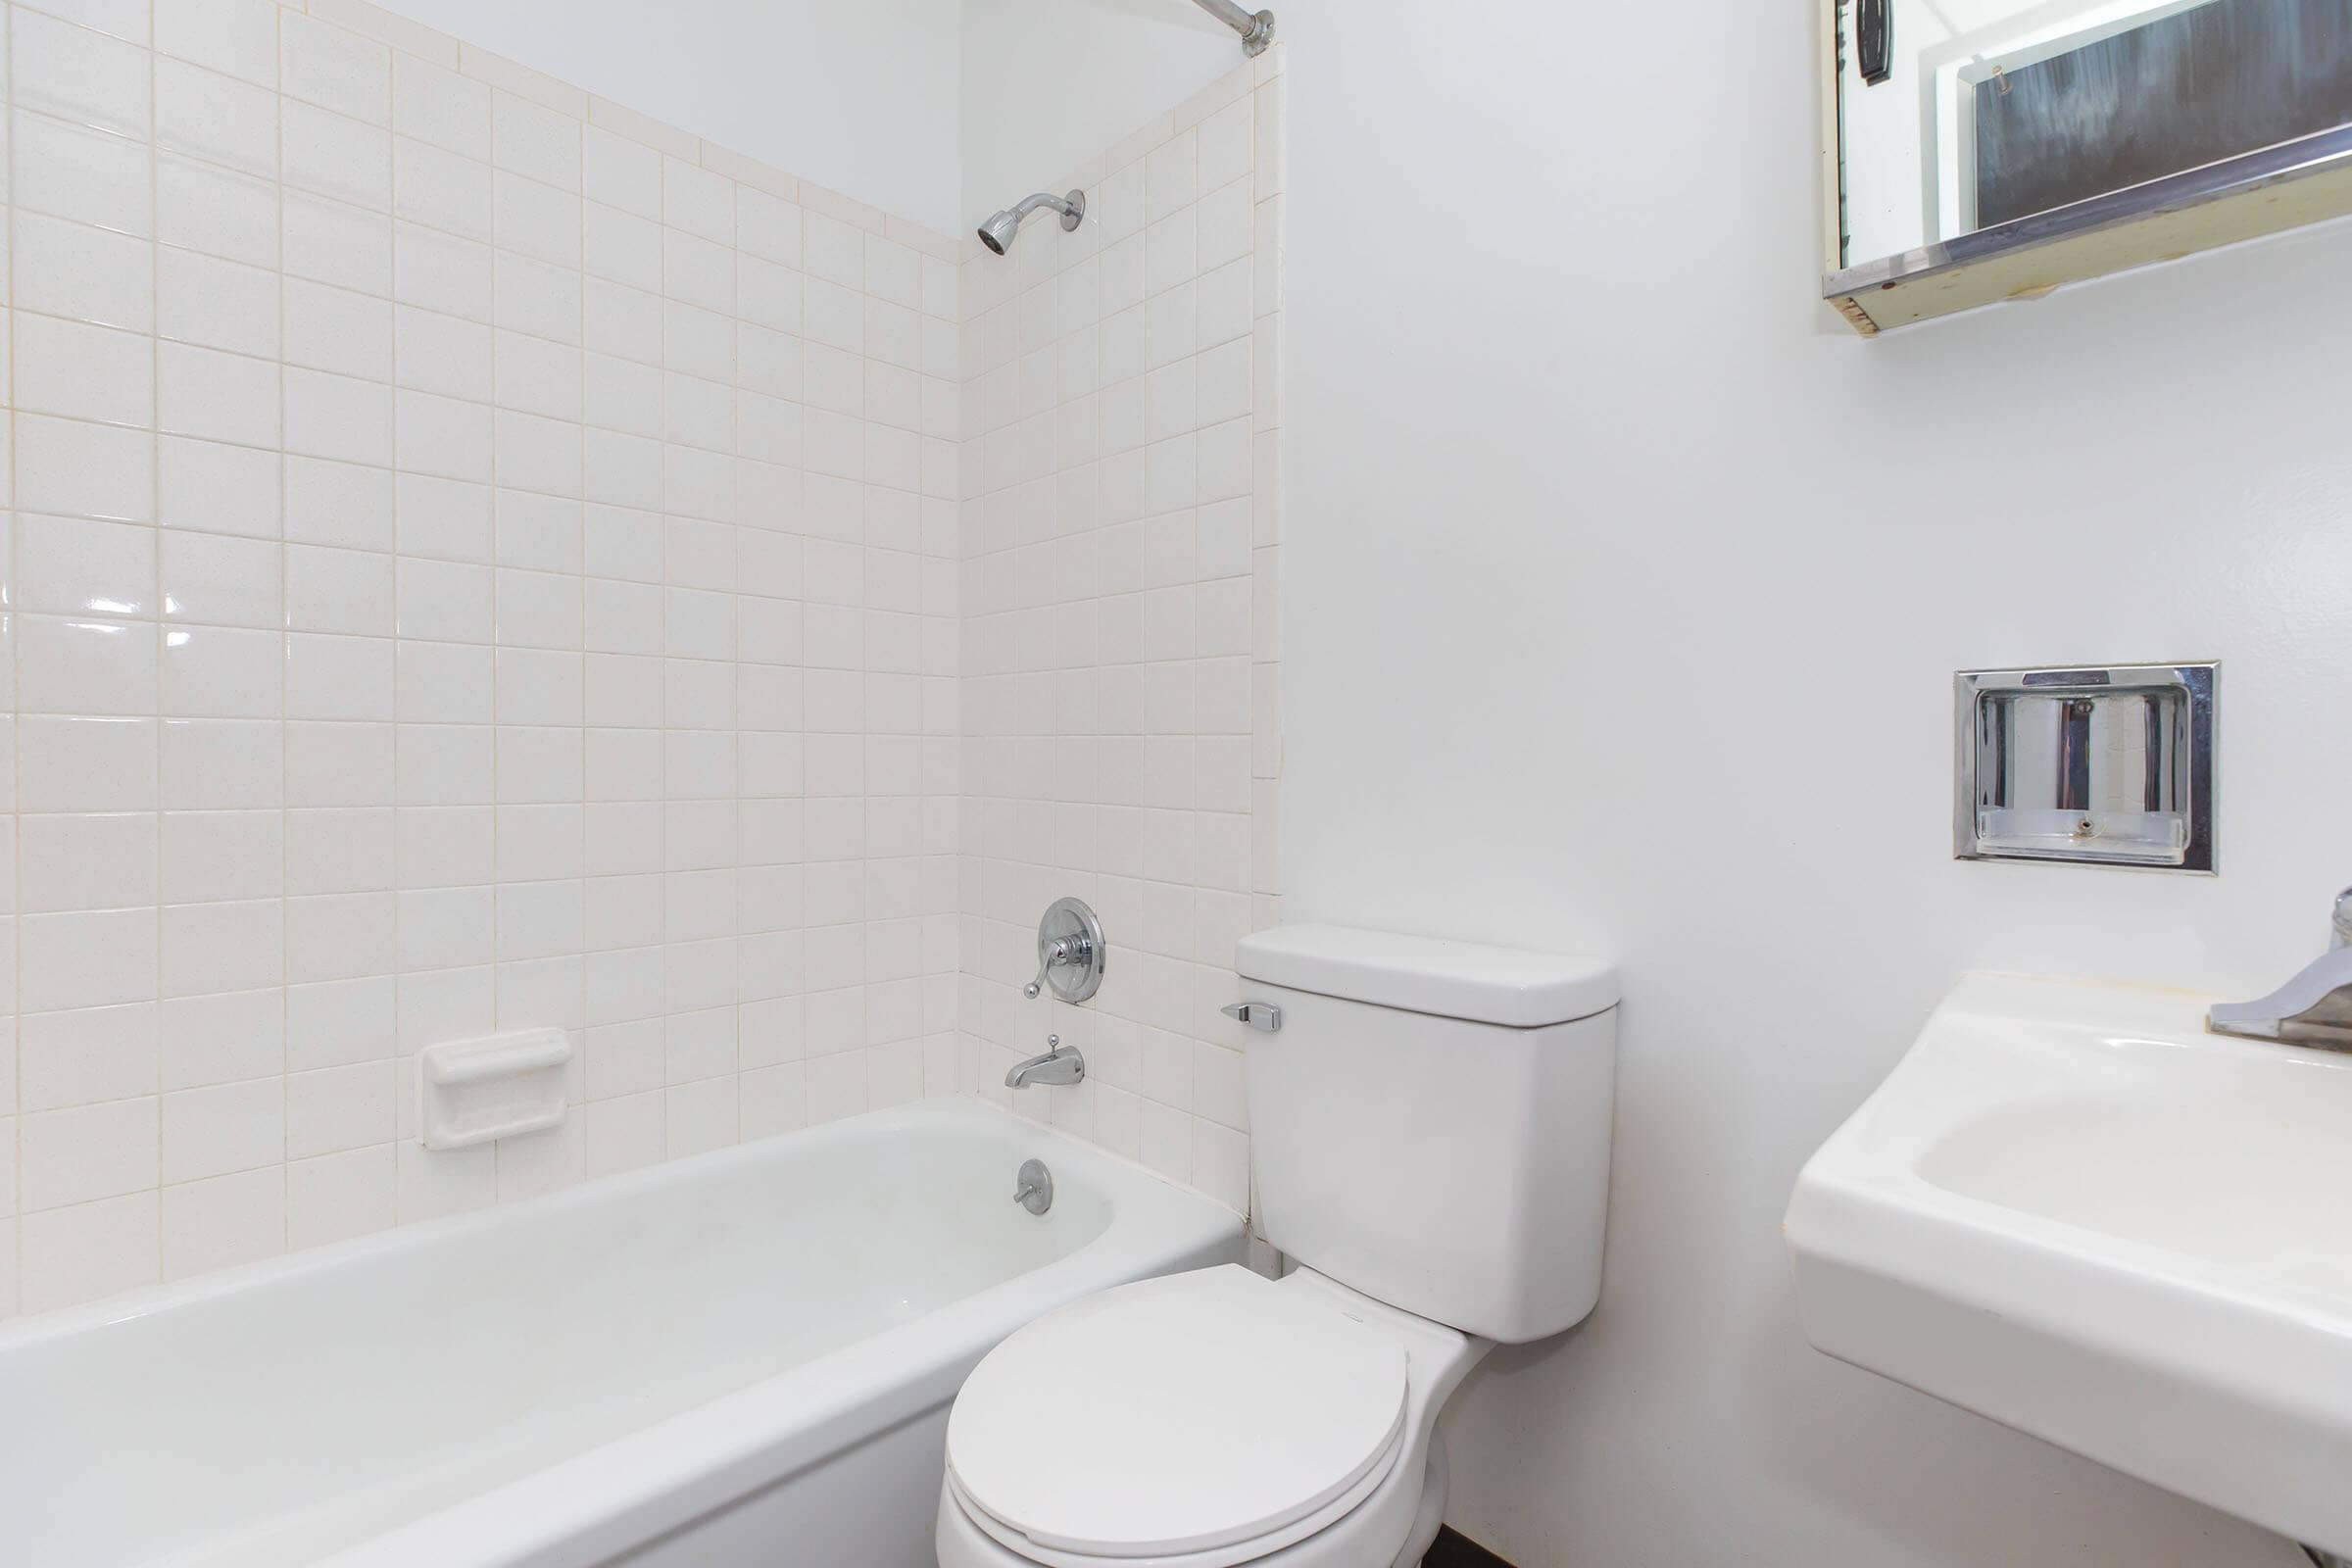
(1121, 523)
(479, 559)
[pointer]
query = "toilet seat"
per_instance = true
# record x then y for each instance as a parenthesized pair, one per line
(1202, 1419)
(1233, 1554)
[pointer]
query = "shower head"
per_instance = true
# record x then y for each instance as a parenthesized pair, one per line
(999, 233)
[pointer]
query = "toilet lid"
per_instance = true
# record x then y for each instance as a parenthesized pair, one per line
(1177, 1415)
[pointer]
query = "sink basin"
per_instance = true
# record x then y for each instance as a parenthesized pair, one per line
(2071, 1209)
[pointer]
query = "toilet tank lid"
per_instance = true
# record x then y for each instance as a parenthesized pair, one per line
(1508, 986)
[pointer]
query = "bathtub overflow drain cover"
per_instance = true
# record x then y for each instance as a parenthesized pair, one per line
(1034, 1190)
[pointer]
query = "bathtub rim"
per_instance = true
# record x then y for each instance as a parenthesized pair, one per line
(645, 1482)
(30, 1327)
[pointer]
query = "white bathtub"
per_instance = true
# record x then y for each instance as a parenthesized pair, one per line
(743, 1358)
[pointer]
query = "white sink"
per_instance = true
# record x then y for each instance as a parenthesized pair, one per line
(2071, 1209)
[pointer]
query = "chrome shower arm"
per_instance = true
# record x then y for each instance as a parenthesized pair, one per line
(1256, 27)
(1004, 227)
(1068, 208)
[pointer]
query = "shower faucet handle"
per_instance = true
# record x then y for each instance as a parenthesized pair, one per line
(1054, 954)
(1071, 953)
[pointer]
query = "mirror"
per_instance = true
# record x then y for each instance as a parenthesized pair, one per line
(1965, 130)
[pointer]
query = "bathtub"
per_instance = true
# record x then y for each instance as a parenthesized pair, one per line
(740, 1358)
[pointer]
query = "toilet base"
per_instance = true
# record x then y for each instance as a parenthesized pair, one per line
(1429, 1517)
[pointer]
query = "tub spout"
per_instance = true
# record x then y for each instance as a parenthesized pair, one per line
(1061, 1065)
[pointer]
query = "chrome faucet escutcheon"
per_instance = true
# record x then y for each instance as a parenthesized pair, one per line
(1071, 953)
(2314, 1009)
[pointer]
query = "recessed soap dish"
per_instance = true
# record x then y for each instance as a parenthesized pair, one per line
(2111, 765)
(492, 1087)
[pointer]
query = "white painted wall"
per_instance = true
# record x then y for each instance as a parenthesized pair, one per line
(1050, 84)
(1622, 592)
(858, 97)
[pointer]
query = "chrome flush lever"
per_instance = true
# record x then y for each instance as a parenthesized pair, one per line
(1256, 1015)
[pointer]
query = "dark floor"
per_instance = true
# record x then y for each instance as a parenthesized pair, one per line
(1451, 1550)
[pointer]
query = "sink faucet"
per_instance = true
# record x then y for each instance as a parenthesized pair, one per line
(2314, 1009)
(1059, 1065)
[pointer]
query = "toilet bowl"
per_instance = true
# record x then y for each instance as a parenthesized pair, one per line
(1204, 1420)
(1429, 1137)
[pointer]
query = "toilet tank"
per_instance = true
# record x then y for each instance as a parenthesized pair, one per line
(1430, 1124)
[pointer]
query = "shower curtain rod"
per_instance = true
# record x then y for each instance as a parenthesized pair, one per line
(1255, 28)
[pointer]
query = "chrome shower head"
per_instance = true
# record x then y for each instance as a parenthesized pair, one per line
(999, 230)
(1003, 226)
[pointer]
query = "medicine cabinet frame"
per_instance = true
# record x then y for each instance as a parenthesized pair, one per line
(2266, 191)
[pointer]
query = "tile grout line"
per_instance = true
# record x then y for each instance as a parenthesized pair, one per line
(10, 1298)
(285, 599)
(661, 221)
(491, 1154)
(155, 518)
(579, 140)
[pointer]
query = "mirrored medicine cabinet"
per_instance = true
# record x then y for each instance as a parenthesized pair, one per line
(1983, 150)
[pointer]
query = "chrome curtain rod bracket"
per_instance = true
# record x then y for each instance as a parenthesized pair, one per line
(1256, 27)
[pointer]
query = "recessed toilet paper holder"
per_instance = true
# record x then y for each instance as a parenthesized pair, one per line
(1071, 951)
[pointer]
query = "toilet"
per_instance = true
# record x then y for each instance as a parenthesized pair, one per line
(1429, 1127)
